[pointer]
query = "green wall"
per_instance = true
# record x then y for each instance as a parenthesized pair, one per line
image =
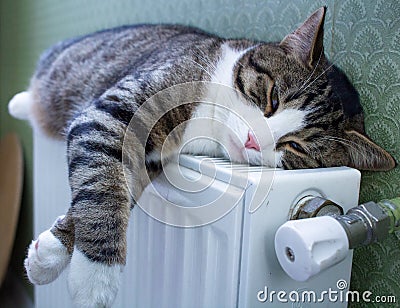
(362, 37)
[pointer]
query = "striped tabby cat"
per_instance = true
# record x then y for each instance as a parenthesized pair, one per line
(86, 91)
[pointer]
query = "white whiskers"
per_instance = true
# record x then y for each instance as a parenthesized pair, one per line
(307, 84)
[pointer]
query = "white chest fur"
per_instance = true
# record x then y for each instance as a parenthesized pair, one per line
(204, 131)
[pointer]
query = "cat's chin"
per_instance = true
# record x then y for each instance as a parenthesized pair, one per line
(266, 158)
(243, 156)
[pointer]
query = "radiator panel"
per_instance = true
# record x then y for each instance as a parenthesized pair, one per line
(221, 264)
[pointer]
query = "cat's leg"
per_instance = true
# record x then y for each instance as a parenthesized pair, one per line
(100, 205)
(50, 253)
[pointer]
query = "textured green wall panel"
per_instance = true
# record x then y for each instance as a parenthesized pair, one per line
(366, 46)
(362, 37)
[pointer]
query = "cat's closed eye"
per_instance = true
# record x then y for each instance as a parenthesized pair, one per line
(273, 101)
(296, 146)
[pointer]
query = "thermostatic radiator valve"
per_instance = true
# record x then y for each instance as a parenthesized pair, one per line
(320, 236)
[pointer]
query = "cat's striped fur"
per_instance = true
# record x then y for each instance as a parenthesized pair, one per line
(87, 90)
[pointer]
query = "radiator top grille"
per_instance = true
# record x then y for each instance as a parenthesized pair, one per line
(196, 163)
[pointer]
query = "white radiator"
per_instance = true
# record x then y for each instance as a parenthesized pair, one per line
(230, 262)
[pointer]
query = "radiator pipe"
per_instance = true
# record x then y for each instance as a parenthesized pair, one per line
(320, 236)
(371, 222)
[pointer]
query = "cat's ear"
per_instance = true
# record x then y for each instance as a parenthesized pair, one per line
(307, 41)
(366, 155)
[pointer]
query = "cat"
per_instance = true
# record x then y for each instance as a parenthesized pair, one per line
(86, 91)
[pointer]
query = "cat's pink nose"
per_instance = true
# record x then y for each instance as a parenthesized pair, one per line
(251, 142)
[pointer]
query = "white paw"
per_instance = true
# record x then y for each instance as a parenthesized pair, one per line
(92, 284)
(47, 258)
(20, 105)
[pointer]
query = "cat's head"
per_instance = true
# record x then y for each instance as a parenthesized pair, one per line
(312, 109)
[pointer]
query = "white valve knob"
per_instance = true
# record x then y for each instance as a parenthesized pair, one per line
(305, 247)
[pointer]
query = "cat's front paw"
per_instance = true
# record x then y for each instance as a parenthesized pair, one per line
(47, 258)
(93, 284)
